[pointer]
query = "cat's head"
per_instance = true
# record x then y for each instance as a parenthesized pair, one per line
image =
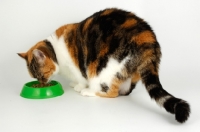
(41, 61)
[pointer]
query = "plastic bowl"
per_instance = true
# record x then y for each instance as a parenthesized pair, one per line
(41, 93)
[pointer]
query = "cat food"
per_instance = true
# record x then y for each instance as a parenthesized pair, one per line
(41, 85)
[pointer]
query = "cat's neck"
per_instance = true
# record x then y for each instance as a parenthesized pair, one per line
(63, 42)
(61, 39)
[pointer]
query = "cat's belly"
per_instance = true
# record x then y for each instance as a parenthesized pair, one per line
(64, 71)
(73, 74)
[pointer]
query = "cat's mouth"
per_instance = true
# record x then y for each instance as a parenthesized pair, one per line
(43, 81)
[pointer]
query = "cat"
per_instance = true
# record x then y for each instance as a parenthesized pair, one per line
(105, 55)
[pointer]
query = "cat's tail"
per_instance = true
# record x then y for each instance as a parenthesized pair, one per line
(176, 106)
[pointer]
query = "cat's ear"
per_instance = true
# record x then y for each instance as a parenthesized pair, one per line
(40, 56)
(22, 55)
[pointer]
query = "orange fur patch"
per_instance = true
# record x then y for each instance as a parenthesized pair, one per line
(147, 54)
(108, 11)
(85, 51)
(92, 69)
(23, 55)
(87, 23)
(60, 31)
(104, 50)
(152, 68)
(148, 63)
(135, 77)
(71, 47)
(48, 68)
(148, 57)
(30, 51)
(129, 23)
(29, 54)
(113, 90)
(144, 37)
(73, 52)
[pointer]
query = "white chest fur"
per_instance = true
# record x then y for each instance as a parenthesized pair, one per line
(67, 67)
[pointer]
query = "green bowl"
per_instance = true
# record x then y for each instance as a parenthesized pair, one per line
(41, 93)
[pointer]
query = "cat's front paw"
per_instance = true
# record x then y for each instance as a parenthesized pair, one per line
(87, 92)
(72, 84)
(79, 87)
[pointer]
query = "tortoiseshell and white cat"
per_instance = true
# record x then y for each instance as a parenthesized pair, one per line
(105, 55)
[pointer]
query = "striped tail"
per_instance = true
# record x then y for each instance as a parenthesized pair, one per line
(173, 105)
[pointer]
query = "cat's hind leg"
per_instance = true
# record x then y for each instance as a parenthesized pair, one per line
(110, 91)
(117, 85)
(107, 82)
(107, 87)
(103, 86)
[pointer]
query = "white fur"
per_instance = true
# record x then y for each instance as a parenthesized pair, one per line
(125, 86)
(162, 100)
(67, 68)
(66, 65)
(106, 76)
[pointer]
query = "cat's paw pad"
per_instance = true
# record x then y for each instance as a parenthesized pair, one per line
(88, 93)
(79, 87)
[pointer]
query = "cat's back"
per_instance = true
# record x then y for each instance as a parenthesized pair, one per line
(111, 30)
(114, 33)
(111, 21)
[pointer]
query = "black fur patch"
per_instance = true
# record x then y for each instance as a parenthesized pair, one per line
(170, 104)
(120, 76)
(51, 49)
(102, 63)
(34, 68)
(81, 57)
(180, 108)
(182, 111)
(106, 29)
(153, 85)
(104, 87)
(149, 78)
(158, 92)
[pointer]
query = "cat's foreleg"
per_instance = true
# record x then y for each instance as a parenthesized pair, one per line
(72, 84)
(88, 92)
(79, 87)
(94, 86)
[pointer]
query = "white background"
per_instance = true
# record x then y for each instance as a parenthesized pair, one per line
(24, 22)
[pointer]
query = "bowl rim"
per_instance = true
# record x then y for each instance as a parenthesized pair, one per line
(37, 82)
(43, 92)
